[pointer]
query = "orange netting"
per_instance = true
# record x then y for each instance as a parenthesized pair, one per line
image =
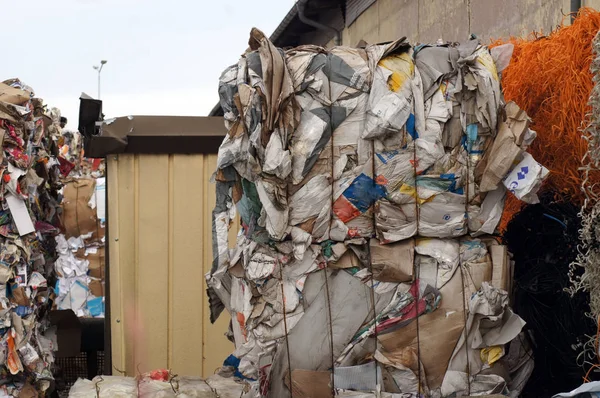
(549, 77)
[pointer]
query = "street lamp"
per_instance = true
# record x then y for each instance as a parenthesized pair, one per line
(99, 69)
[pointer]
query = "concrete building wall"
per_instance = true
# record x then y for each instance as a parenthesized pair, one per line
(453, 20)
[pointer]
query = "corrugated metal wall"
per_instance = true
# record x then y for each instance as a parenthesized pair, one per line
(160, 247)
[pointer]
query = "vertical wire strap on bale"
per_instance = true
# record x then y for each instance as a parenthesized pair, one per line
(330, 333)
(462, 278)
(374, 224)
(416, 269)
(465, 331)
(287, 340)
(331, 213)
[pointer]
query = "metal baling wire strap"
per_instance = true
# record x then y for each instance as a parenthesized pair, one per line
(174, 386)
(416, 269)
(373, 276)
(330, 333)
(465, 310)
(374, 226)
(468, 369)
(285, 326)
(287, 342)
(331, 214)
(97, 386)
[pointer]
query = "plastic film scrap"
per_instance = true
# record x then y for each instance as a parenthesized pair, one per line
(365, 261)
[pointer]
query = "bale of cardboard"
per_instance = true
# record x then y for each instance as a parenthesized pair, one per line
(369, 183)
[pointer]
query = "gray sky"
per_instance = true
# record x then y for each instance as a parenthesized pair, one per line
(164, 57)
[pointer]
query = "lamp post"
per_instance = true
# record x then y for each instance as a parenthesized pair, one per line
(99, 69)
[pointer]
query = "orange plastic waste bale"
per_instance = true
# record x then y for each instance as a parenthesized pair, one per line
(549, 77)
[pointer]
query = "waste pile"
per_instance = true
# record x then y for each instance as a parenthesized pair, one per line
(71, 150)
(29, 220)
(157, 384)
(369, 183)
(80, 266)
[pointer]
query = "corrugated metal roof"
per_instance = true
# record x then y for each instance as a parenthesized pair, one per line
(290, 16)
(356, 7)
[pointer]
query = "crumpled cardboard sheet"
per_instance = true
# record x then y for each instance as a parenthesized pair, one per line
(29, 220)
(395, 114)
(331, 163)
(365, 199)
(78, 217)
(430, 165)
(310, 188)
(308, 384)
(354, 187)
(490, 323)
(439, 329)
(448, 186)
(263, 114)
(218, 280)
(350, 304)
(13, 95)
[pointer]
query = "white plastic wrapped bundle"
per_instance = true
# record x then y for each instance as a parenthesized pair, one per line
(105, 387)
(145, 386)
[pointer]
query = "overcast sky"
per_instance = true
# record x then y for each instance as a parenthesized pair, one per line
(164, 57)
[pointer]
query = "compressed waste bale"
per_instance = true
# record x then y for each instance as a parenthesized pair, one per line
(80, 266)
(394, 163)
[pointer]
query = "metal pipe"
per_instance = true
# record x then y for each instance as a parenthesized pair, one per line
(301, 6)
(575, 6)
